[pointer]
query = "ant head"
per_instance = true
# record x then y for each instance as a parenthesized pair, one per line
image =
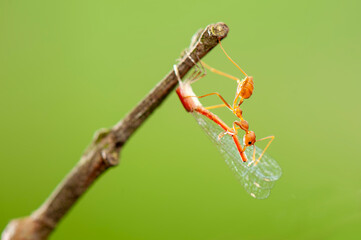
(249, 138)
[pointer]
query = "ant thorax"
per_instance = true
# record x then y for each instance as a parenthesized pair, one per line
(238, 112)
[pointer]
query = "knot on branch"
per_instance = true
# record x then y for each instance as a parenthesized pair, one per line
(110, 158)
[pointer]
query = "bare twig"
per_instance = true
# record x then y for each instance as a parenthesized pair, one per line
(103, 152)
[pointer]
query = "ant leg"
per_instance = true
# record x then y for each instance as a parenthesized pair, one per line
(215, 106)
(221, 135)
(196, 64)
(219, 72)
(215, 93)
(231, 59)
(269, 137)
(253, 156)
(211, 107)
(236, 99)
(240, 102)
(236, 126)
(254, 152)
(194, 76)
(199, 71)
(235, 132)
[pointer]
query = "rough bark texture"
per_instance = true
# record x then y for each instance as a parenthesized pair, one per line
(104, 150)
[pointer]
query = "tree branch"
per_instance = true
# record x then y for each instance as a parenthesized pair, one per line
(104, 150)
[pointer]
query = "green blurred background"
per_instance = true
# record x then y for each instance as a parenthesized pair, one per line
(68, 68)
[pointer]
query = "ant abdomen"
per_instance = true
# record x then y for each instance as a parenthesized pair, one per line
(247, 88)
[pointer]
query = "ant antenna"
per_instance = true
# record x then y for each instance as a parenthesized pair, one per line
(231, 59)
